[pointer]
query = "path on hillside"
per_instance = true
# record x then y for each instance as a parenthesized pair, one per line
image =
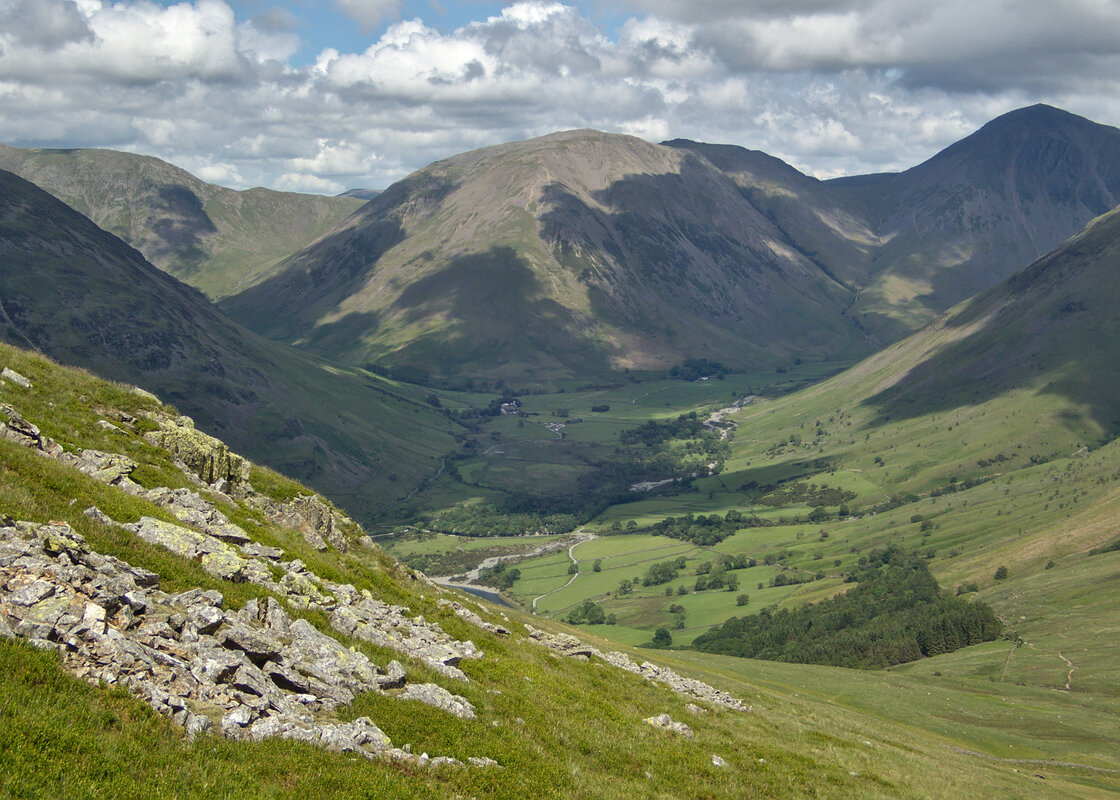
(425, 482)
(1069, 675)
(584, 537)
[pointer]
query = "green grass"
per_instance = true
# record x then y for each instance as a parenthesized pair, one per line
(561, 728)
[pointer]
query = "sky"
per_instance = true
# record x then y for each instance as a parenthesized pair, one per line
(327, 96)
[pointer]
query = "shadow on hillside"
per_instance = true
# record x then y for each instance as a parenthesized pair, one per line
(1046, 332)
(309, 284)
(687, 259)
(181, 229)
(500, 315)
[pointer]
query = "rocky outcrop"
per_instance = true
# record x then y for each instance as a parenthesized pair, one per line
(252, 674)
(318, 522)
(226, 551)
(568, 645)
(464, 613)
(439, 697)
(209, 459)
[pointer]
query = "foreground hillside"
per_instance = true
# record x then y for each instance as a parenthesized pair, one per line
(79, 294)
(163, 633)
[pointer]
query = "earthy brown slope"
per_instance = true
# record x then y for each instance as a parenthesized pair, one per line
(573, 254)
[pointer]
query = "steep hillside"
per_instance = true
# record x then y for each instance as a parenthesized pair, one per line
(73, 291)
(569, 255)
(980, 210)
(583, 252)
(213, 238)
(208, 629)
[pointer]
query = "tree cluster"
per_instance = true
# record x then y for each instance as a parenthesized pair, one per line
(895, 613)
(693, 369)
(705, 531)
(587, 613)
(499, 576)
(663, 572)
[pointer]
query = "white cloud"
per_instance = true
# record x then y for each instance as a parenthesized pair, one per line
(833, 86)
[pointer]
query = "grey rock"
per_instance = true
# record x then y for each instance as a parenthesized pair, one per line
(394, 677)
(440, 698)
(205, 619)
(465, 613)
(10, 374)
(194, 597)
(483, 761)
(215, 666)
(665, 722)
(197, 724)
(31, 593)
(258, 648)
(254, 550)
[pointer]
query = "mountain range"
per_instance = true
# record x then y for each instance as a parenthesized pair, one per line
(584, 253)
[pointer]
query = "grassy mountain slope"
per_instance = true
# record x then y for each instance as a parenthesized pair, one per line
(980, 210)
(572, 254)
(584, 252)
(986, 440)
(216, 239)
(558, 727)
(73, 291)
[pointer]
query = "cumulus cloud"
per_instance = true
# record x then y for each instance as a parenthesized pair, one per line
(43, 23)
(952, 44)
(832, 86)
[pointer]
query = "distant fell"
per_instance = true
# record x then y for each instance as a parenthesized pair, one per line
(72, 291)
(574, 254)
(584, 253)
(980, 210)
(216, 239)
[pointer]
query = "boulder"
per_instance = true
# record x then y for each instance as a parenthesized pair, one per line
(10, 374)
(439, 697)
(666, 723)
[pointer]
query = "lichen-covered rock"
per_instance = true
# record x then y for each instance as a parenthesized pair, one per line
(465, 613)
(255, 672)
(18, 429)
(318, 522)
(568, 645)
(207, 458)
(439, 697)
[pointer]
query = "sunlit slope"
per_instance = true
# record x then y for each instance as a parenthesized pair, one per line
(71, 290)
(980, 210)
(583, 253)
(215, 239)
(557, 727)
(574, 254)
